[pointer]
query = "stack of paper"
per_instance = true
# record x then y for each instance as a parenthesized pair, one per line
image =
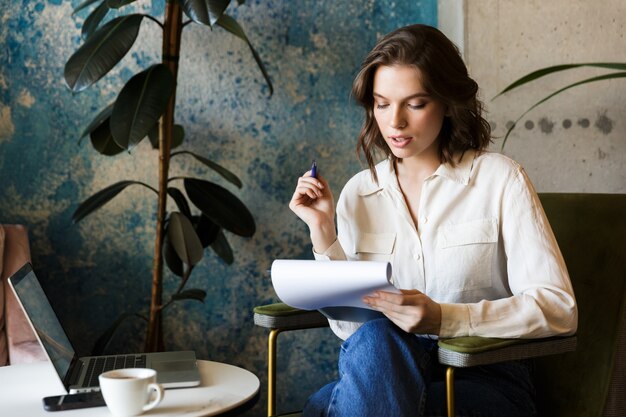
(313, 285)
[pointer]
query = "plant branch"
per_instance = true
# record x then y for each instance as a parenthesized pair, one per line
(184, 279)
(170, 51)
(181, 286)
(155, 20)
(557, 68)
(149, 187)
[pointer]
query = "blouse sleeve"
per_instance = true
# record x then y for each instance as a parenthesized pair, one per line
(343, 329)
(543, 302)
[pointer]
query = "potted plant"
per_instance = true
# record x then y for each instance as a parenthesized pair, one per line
(145, 108)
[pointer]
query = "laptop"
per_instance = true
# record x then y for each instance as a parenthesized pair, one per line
(80, 374)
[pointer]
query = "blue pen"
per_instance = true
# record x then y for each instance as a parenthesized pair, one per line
(314, 169)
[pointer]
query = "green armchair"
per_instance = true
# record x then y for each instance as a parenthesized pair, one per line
(588, 378)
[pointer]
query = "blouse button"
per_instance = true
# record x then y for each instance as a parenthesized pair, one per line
(417, 256)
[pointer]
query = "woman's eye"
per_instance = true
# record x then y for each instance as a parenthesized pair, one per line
(382, 106)
(417, 106)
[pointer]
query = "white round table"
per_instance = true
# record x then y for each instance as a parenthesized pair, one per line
(224, 387)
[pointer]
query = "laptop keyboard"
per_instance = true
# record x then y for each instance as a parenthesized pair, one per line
(98, 365)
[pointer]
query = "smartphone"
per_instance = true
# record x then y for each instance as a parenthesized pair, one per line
(73, 401)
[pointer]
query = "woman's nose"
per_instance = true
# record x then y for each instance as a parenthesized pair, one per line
(398, 121)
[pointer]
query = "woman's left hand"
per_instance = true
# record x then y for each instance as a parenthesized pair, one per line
(411, 310)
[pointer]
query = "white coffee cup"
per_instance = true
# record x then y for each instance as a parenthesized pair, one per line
(129, 392)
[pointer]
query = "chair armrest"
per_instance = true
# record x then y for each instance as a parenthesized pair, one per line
(281, 316)
(462, 352)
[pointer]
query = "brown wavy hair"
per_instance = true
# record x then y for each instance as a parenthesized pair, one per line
(443, 75)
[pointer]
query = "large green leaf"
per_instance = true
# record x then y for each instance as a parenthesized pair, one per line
(206, 229)
(542, 72)
(101, 52)
(190, 294)
(543, 100)
(153, 136)
(85, 4)
(180, 200)
(140, 104)
(102, 140)
(116, 4)
(178, 136)
(103, 116)
(184, 239)
(226, 174)
(233, 27)
(93, 20)
(102, 197)
(222, 248)
(221, 206)
(172, 260)
(205, 12)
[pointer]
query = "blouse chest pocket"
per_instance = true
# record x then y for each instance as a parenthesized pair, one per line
(465, 254)
(374, 246)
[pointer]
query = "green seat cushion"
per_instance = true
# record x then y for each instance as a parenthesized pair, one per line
(475, 344)
(281, 316)
(277, 310)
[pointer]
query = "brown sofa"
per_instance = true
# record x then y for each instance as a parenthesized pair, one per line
(18, 343)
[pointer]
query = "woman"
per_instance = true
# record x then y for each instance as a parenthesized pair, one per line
(470, 245)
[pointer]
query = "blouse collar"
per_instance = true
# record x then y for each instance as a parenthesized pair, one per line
(460, 172)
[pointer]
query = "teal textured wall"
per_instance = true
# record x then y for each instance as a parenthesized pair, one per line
(101, 267)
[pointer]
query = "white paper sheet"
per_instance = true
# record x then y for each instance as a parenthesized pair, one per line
(311, 285)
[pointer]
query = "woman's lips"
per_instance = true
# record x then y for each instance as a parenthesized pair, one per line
(400, 141)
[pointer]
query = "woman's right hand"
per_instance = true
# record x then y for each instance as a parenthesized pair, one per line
(312, 201)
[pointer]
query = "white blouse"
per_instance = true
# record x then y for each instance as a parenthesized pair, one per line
(483, 247)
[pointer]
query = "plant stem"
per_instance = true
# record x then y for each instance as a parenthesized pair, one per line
(172, 29)
(154, 20)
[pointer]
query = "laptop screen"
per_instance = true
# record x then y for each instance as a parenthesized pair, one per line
(44, 320)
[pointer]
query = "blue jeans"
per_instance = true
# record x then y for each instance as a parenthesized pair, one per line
(384, 371)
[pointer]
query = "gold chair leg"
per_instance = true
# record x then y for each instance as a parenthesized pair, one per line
(450, 390)
(271, 372)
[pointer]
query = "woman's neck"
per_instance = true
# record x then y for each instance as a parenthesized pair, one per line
(412, 170)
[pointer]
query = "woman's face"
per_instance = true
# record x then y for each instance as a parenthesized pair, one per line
(408, 117)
